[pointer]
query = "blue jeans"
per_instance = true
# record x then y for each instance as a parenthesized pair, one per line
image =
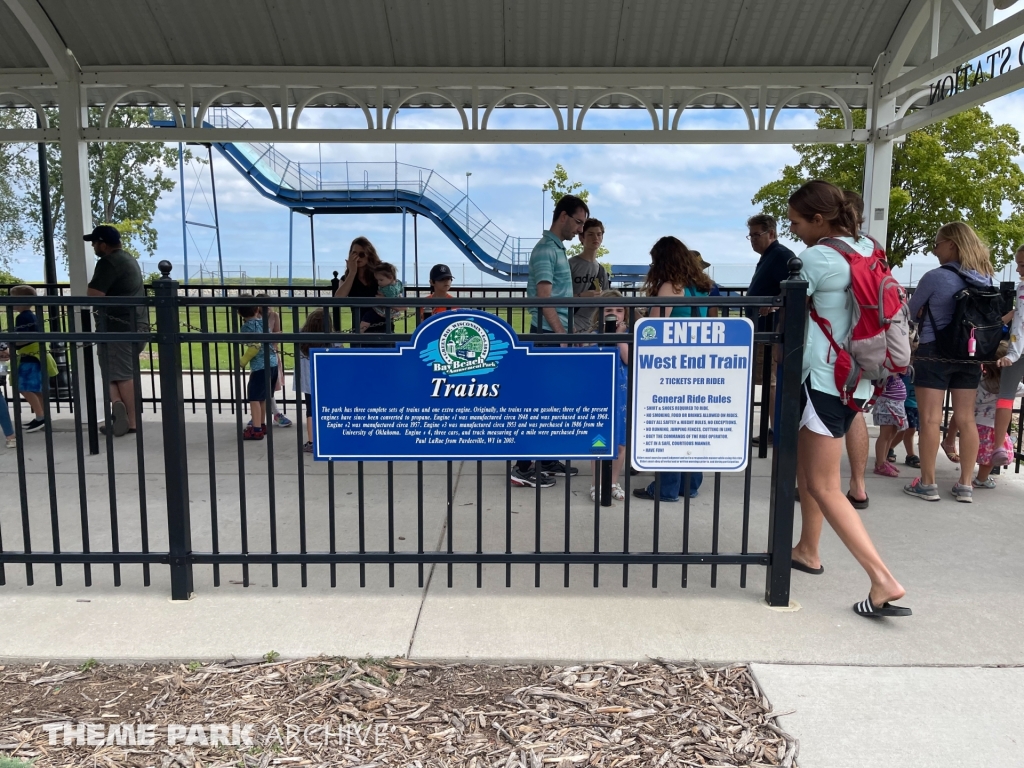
(671, 481)
(5, 417)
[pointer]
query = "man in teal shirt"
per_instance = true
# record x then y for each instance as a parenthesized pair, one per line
(550, 276)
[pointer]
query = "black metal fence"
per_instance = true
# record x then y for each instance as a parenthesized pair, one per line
(185, 491)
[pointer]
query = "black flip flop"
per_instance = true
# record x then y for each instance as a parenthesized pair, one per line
(796, 565)
(869, 610)
(857, 503)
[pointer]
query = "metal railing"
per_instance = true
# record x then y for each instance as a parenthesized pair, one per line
(229, 504)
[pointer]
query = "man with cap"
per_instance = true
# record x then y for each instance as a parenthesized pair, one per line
(117, 273)
(440, 284)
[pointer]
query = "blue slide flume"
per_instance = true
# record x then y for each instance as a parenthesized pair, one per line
(342, 187)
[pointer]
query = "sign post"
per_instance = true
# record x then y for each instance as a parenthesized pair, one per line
(464, 387)
(691, 403)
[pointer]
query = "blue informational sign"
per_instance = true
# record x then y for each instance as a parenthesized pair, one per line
(691, 395)
(464, 387)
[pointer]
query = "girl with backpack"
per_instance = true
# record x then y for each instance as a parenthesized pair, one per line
(818, 214)
(939, 364)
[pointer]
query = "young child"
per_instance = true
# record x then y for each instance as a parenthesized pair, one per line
(985, 405)
(913, 424)
(440, 284)
(314, 324)
(257, 387)
(388, 287)
(621, 400)
(274, 320)
(1013, 367)
(890, 416)
(30, 370)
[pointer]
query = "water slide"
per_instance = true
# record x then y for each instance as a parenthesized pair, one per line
(342, 187)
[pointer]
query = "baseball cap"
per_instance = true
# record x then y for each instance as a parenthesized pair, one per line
(104, 234)
(440, 272)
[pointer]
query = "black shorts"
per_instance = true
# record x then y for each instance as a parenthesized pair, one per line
(824, 414)
(934, 374)
(256, 390)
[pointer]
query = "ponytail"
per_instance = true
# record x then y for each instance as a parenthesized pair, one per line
(827, 200)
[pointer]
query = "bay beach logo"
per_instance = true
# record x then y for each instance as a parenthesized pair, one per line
(464, 347)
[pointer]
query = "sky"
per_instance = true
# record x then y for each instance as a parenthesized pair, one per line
(699, 193)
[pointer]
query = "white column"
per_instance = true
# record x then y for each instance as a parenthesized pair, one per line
(75, 168)
(878, 173)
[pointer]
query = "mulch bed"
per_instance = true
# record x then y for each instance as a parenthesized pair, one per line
(372, 712)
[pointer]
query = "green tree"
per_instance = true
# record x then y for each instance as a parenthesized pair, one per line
(15, 168)
(558, 186)
(126, 181)
(960, 169)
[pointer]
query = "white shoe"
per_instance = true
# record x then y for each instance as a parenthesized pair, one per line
(593, 494)
(12, 441)
(617, 492)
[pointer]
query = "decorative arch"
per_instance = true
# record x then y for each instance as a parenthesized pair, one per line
(827, 93)
(901, 111)
(33, 101)
(425, 92)
(205, 106)
(751, 122)
(337, 92)
(618, 92)
(524, 92)
(175, 107)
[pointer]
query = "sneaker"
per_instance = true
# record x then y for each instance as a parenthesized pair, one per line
(35, 425)
(12, 441)
(280, 420)
(254, 433)
(307, 447)
(963, 493)
(922, 491)
(988, 482)
(557, 469)
(529, 478)
(756, 439)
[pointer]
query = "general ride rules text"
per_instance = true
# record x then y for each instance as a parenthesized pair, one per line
(691, 398)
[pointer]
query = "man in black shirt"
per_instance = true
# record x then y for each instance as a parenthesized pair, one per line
(772, 268)
(117, 273)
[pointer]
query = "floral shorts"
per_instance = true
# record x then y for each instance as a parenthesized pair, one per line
(987, 444)
(889, 413)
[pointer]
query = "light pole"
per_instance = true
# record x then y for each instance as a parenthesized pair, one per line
(468, 174)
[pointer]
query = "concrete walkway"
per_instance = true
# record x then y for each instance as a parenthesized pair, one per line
(864, 692)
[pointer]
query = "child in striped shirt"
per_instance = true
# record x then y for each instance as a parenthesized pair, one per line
(890, 416)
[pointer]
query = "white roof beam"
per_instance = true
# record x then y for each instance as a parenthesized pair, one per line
(42, 32)
(407, 77)
(986, 40)
(969, 23)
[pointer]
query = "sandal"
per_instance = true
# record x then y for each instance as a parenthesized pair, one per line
(988, 482)
(1000, 457)
(887, 470)
(872, 611)
(617, 492)
(913, 461)
(951, 454)
(891, 456)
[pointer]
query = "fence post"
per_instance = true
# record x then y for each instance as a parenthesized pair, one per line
(784, 457)
(172, 416)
